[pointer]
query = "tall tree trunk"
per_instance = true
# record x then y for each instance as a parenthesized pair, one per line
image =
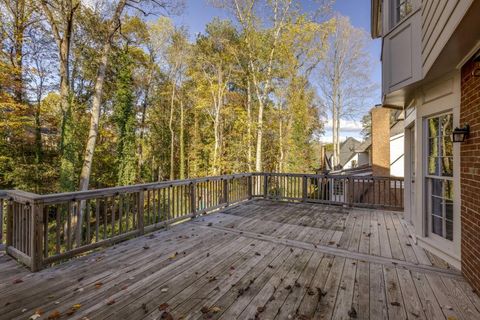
(280, 143)
(182, 142)
(19, 30)
(95, 116)
(258, 154)
(172, 133)
(97, 98)
(249, 126)
(216, 131)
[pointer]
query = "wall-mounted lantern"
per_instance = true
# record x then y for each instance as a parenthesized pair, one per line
(459, 134)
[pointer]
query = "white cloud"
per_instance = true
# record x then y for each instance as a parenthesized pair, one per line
(345, 125)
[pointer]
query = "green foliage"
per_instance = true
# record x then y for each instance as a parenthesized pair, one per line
(198, 99)
(124, 118)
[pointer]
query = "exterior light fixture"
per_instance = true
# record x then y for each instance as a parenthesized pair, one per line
(459, 134)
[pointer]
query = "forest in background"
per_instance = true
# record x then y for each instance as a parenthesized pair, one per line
(104, 93)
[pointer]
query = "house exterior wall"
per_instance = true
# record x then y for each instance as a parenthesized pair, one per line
(439, 20)
(352, 163)
(434, 98)
(397, 155)
(470, 174)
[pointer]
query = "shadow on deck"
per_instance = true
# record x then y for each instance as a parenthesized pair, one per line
(257, 260)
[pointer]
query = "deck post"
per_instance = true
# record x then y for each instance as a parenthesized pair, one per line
(304, 188)
(140, 205)
(265, 185)
(225, 191)
(193, 201)
(36, 236)
(9, 236)
(249, 187)
(349, 191)
(1, 219)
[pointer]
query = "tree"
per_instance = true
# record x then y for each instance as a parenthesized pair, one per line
(366, 126)
(61, 15)
(125, 120)
(213, 66)
(345, 76)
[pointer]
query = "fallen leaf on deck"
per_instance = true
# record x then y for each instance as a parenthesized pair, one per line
(448, 307)
(204, 309)
(395, 303)
(34, 316)
(215, 309)
(146, 246)
(165, 315)
(124, 288)
(17, 281)
(163, 306)
(164, 290)
(257, 254)
(76, 306)
(352, 313)
(110, 302)
(260, 309)
(98, 285)
(54, 315)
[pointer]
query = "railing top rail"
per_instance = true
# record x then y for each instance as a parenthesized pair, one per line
(23, 196)
(335, 176)
(3, 194)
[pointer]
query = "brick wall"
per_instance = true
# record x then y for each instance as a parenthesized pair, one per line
(470, 174)
(380, 152)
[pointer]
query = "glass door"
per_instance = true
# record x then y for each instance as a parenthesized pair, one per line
(439, 177)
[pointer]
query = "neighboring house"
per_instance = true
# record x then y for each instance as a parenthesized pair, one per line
(431, 71)
(347, 155)
(385, 158)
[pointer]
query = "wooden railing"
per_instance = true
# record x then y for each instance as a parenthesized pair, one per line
(358, 191)
(3, 209)
(44, 229)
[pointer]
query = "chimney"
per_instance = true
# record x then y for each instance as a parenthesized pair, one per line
(380, 141)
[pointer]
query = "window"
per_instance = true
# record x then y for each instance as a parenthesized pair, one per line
(401, 9)
(439, 175)
(338, 188)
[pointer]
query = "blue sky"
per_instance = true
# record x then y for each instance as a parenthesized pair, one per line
(199, 12)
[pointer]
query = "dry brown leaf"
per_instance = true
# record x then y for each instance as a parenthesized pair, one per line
(215, 309)
(54, 315)
(17, 281)
(110, 302)
(165, 315)
(98, 285)
(163, 306)
(39, 311)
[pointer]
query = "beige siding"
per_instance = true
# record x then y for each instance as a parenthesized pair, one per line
(439, 20)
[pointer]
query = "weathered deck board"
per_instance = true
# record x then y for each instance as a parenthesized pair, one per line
(261, 259)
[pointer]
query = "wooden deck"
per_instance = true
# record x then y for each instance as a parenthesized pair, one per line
(257, 260)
